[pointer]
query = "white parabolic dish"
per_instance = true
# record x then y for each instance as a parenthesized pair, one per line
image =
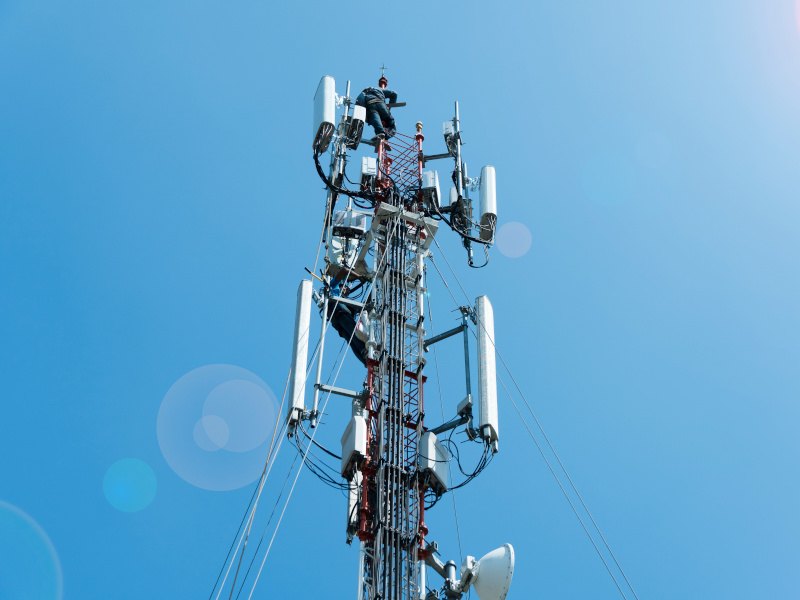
(494, 572)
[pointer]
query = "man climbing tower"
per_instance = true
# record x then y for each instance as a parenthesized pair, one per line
(351, 325)
(378, 115)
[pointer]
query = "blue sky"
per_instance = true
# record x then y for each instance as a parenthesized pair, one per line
(158, 204)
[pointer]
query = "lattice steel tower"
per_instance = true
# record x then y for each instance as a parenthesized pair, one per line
(372, 293)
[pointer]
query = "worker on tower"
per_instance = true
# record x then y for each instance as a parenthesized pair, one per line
(351, 325)
(378, 115)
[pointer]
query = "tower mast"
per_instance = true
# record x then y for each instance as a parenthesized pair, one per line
(392, 462)
(391, 526)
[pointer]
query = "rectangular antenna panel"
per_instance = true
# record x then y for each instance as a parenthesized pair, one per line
(355, 126)
(430, 188)
(488, 203)
(354, 444)
(302, 322)
(487, 370)
(324, 113)
(435, 459)
(369, 166)
(369, 170)
(449, 132)
(349, 223)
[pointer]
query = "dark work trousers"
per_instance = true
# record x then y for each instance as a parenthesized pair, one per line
(344, 322)
(378, 116)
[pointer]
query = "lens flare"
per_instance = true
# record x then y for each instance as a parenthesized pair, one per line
(130, 485)
(246, 409)
(797, 14)
(211, 433)
(514, 239)
(29, 565)
(214, 426)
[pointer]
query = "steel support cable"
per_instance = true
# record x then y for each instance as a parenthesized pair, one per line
(545, 436)
(321, 238)
(285, 506)
(244, 516)
(308, 367)
(389, 236)
(246, 534)
(452, 271)
(564, 492)
(269, 520)
(264, 476)
(444, 281)
(259, 486)
(266, 526)
(561, 465)
(340, 360)
(563, 469)
(441, 406)
(262, 481)
(233, 541)
(266, 471)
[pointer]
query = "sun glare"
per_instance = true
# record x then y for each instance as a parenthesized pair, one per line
(797, 14)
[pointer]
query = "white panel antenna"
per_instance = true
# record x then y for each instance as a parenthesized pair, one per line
(434, 459)
(369, 171)
(487, 371)
(355, 126)
(430, 188)
(302, 323)
(324, 114)
(354, 444)
(488, 203)
(450, 139)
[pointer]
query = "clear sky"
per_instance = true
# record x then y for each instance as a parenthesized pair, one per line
(158, 204)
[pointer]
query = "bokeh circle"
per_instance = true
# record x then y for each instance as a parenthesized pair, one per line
(130, 485)
(214, 426)
(514, 239)
(29, 565)
(211, 433)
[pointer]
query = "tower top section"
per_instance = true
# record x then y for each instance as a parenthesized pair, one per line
(400, 173)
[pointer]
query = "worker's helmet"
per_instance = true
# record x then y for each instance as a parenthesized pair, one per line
(383, 82)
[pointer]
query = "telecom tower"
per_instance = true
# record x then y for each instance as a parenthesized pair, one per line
(378, 234)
